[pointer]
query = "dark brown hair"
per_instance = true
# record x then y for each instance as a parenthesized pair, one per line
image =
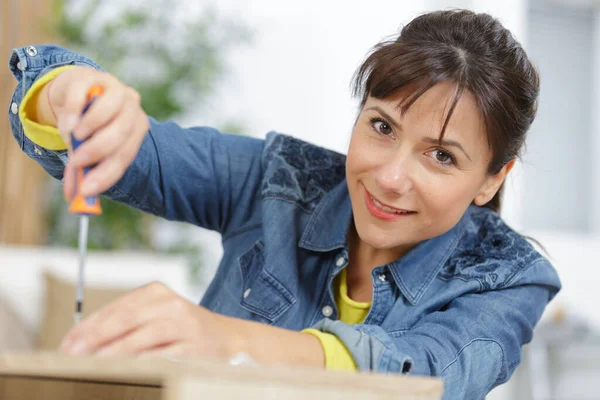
(474, 52)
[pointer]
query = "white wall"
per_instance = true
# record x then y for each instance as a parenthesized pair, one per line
(295, 77)
(558, 177)
(595, 143)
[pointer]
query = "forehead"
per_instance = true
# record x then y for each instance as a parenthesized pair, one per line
(426, 116)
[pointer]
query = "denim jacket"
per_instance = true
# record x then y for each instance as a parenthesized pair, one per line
(459, 306)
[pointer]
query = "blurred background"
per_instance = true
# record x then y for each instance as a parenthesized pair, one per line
(252, 66)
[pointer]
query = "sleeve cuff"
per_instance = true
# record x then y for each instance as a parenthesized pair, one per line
(337, 356)
(44, 136)
(370, 346)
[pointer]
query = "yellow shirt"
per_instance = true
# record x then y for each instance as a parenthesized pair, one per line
(337, 356)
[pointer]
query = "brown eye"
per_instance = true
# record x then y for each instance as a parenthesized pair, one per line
(442, 156)
(381, 126)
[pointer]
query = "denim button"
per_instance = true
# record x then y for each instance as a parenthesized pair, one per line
(247, 292)
(32, 51)
(20, 67)
(382, 277)
(327, 311)
(14, 108)
(37, 151)
(340, 261)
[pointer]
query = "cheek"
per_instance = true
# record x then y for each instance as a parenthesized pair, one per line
(363, 154)
(355, 159)
(446, 198)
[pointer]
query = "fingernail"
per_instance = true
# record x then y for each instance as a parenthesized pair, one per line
(89, 188)
(79, 348)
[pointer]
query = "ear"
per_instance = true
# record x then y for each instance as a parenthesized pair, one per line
(492, 184)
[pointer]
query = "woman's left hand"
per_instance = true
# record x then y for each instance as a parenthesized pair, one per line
(151, 320)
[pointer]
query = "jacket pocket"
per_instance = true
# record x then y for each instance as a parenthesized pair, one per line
(262, 294)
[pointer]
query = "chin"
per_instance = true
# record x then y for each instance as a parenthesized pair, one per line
(378, 239)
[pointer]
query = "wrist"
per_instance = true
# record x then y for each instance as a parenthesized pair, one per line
(238, 339)
(40, 108)
(48, 98)
(44, 112)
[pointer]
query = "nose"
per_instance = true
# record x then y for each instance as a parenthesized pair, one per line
(395, 175)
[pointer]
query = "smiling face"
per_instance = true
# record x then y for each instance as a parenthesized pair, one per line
(404, 186)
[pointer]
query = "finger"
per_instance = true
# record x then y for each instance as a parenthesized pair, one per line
(106, 173)
(132, 300)
(123, 315)
(149, 336)
(111, 169)
(69, 181)
(122, 322)
(104, 109)
(75, 99)
(119, 324)
(107, 140)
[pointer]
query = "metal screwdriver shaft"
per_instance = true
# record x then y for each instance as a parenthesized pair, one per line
(84, 221)
(84, 207)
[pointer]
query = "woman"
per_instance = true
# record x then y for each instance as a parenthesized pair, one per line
(392, 260)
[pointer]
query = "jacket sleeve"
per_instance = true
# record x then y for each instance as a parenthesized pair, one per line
(196, 175)
(473, 344)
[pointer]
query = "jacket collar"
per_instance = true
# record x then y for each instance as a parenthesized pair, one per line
(413, 273)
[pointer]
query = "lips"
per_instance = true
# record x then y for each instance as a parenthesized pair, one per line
(384, 211)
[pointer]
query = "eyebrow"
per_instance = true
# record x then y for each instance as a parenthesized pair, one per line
(386, 115)
(443, 142)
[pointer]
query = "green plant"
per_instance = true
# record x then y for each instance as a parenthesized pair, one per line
(173, 62)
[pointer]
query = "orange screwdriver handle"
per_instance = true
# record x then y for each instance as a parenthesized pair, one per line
(85, 205)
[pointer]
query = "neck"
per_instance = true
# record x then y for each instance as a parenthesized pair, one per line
(362, 259)
(367, 257)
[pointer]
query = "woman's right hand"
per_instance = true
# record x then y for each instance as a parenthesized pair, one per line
(114, 125)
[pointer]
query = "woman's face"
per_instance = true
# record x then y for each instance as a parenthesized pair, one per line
(403, 185)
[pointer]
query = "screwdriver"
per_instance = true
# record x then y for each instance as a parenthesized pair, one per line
(84, 207)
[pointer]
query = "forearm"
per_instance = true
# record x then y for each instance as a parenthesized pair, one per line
(271, 345)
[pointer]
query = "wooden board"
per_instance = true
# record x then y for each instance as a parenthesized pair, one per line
(199, 387)
(94, 369)
(49, 376)
(57, 376)
(14, 387)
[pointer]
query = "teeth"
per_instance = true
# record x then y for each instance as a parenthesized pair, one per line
(385, 208)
